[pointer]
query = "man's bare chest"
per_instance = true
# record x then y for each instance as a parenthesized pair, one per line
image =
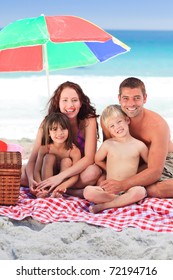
(142, 133)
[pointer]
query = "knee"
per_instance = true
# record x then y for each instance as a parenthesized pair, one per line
(49, 159)
(88, 193)
(91, 174)
(94, 172)
(139, 193)
(65, 163)
(155, 190)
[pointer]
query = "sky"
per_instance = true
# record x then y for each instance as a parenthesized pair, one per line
(108, 14)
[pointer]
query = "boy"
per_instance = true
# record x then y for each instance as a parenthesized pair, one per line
(119, 156)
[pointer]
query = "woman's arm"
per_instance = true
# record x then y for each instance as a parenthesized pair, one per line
(84, 162)
(32, 159)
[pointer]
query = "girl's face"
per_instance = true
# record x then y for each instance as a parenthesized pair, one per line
(69, 103)
(58, 134)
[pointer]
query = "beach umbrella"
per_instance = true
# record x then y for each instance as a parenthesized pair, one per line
(55, 42)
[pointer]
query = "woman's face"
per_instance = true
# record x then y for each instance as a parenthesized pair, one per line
(69, 102)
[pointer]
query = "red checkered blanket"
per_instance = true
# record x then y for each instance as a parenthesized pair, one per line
(150, 214)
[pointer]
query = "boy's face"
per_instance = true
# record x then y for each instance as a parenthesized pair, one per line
(118, 126)
(132, 101)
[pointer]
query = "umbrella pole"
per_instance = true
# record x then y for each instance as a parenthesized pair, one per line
(46, 67)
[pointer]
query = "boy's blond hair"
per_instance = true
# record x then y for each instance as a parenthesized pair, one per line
(110, 111)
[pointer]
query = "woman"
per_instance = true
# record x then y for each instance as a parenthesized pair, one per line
(69, 99)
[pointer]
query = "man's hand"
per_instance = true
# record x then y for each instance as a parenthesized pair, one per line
(111, 186)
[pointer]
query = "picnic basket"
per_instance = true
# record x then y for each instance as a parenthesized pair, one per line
(10, 175)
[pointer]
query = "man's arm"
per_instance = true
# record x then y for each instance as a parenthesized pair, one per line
(144, 152)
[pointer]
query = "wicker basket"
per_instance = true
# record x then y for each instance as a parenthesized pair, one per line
(10, 174)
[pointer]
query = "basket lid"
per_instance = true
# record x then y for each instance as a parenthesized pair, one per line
(10, 160)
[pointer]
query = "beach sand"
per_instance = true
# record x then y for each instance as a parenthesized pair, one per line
(25, 143)
(31, 240)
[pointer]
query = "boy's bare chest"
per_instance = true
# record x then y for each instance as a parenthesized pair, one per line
(123, 151)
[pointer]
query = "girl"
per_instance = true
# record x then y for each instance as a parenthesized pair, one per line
(59, 148)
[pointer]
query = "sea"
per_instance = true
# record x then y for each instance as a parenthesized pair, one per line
(24, 96)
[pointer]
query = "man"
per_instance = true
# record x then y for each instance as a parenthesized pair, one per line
(153, 130)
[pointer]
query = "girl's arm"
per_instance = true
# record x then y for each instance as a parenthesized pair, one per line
(84, 162)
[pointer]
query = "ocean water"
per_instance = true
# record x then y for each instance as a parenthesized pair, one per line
(151, 55)
(24, 96)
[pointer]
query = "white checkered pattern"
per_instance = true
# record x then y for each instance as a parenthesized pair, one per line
(152, 214)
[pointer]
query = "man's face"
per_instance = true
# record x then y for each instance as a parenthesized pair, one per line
(132, 101)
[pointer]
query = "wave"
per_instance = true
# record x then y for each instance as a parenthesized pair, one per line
(23, 103)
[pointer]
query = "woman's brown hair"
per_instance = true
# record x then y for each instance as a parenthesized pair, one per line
(86, 110)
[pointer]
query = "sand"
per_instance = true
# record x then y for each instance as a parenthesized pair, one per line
(31, 240)
(25, 143)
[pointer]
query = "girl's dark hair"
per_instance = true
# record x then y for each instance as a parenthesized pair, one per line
(55, 119)
(86, 110)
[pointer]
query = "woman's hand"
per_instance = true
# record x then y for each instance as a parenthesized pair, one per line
(51, 182)
(33, 185)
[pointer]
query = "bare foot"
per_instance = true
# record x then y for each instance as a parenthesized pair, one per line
(75, 192)
(91, 209)
(42, 194)
(95, 208)
(56, 194)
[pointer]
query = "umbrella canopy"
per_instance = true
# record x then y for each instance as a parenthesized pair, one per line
(55, 42)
